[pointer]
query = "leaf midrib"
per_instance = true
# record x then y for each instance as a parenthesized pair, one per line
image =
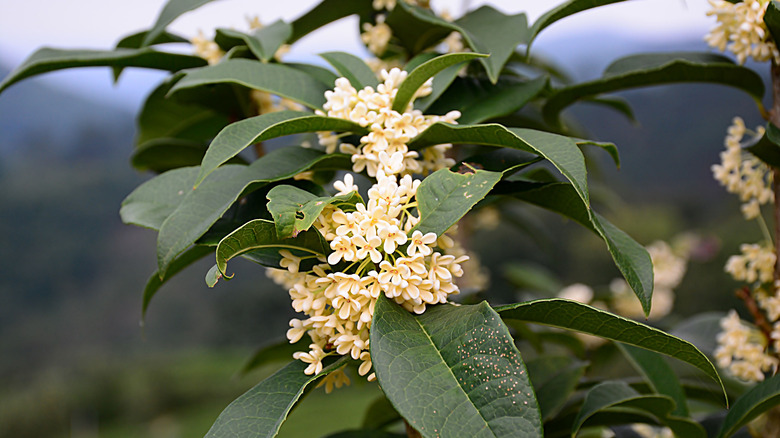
(449, 368)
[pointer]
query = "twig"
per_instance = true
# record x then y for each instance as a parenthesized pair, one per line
(758, 316)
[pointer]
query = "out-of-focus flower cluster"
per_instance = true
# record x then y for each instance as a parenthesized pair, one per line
(372, 254)
(384, 150)
(742, 350)
(741, 30)
(264, 102)
(742, 173)
(669, 266)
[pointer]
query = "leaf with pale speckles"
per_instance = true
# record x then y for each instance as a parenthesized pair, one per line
(453, 371)
(295, 210)
(444, 197)
(572, 315)
(261, 411)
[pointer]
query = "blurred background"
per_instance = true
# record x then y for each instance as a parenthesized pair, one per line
(75, 360)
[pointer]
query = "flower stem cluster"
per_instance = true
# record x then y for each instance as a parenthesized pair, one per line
(743, 173)
(741, 30)
(374, 251)
(384, 149)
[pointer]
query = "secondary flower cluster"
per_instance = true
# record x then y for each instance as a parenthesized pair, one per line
(743, 173)
(741, 350)
(372, 254)
(741, 30)
(385, 149)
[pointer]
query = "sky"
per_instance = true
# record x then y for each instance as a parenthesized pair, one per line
(28, 24)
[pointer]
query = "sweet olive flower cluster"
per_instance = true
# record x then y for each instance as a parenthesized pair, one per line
(372, 254)
(742, 173)
(741, 30)
(385, 148)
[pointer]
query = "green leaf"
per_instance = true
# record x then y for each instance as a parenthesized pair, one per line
(295, 210)
(607, 395)
(135, 41)
(440, 84)
(562, 11)
(572, 315)
(417, 77)
(366, 434)
(261, 233)
(353, 68)
(238, 136)
(767, 148)
(496, 33)
(554, 379)
(478, 102)
(153, 201)
(506, 161)
(453, 371)
(327, 12)
(272, 352)
(47, 60)
(762, 397)
(261, 411)
(277, 79)
(327, 77)
(609, 148)
(171, 11)
(163, 154)
(657, 69)
(658, 374)
(263, 43)
(203, 206)
(417, 28)
(163, 117)
(561, 151)
(380, 414)
(772, 19)
(616, 103)
(444, 197)
(156, 281)
(631, 258)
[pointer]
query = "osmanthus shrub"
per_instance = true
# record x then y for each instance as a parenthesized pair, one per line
(356, 215)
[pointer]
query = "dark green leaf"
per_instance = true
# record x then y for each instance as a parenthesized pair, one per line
(657, 69)
(609, 394)
(327, 12)
(171, 11)
(263, 43)
(562, 11)
(609, 148)
(156, 281)
(295, 210)
(572, 315)
(327, 77)
(631, 258)
(490, 31)
(444, 197)
(379, 414)
(616, 103)
(658, 374)
(762, 397)
(261, 233)
(554, 381)
(561, 151)
(425, 71)
(353, 68)
(767, 149)
(135, 41)
(238, 136)
(506, 161)
(163, 117)
(203, 206)
(46, 60)
(276, 79)
(153, 201)
(441, 82)
(417, 28)
(453, 371)
(504, 98)
(163, 154)
(366, 434)
(261, 411)
(772, 19)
